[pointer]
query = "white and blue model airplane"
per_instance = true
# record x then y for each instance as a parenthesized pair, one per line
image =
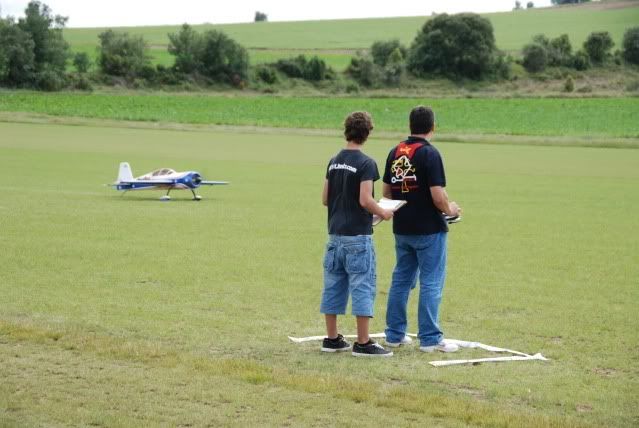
(162, 179)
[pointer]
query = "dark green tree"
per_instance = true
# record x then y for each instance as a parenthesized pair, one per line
(365, 71)
(81, 62)
(260, 17)
(187, 47)
(581, 61)
(530, 5)
(223, 59)
(561, 50)
(598, 46)
(535, 57)
(123, 55)
(631, 45)
(382, 50)
(17, 61)
(50, 50)
(460, 45)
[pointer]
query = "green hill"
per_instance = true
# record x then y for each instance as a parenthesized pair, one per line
(336, 40)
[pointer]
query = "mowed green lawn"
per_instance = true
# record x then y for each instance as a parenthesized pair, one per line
(126, 311)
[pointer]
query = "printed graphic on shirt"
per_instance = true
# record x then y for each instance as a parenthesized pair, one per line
(342, 166)
(403, 172)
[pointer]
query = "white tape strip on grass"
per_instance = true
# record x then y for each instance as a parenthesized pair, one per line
(517, 356)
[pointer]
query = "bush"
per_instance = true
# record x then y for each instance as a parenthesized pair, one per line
(123, 55)
(581, 61)
(631, 45)
(299, 67)
(569, 85)
(502, 66)
(598, 46)
(381, 51)
(535, 58)
(560, 51)
(81, 62)
(460, 45)
(186, 46)
(292, 67)
(50, 80)
(266, 74)
(223, 59)
(365, 71)
(394, 68)
(315, 69)
(352, 88)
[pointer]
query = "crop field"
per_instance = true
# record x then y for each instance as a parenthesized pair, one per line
(574, 117)
(512, 31)
(126, 311)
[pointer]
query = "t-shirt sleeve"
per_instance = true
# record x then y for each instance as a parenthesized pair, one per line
(369, 171)
(435, 169)
(328, 166)
(387, 167)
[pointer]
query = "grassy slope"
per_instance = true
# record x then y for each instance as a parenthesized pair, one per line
(126, 311)
(536, 117)
(512, 30)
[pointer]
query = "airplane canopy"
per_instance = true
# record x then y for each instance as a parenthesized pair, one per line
(162, 171)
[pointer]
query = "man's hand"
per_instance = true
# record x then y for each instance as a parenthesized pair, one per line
(454, 209)
(386, 214)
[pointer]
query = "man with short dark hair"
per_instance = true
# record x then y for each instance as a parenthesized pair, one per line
(349, 261)
(415, 173)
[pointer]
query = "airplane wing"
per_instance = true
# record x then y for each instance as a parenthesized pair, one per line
(146, 182)
(213, 183)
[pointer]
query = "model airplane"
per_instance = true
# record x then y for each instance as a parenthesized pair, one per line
(162, 179)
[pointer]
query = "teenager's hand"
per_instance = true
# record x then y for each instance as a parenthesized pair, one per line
(387, 214)
(455, 209)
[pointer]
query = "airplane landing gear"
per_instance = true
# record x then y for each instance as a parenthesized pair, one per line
(166, 197)
(195, 196)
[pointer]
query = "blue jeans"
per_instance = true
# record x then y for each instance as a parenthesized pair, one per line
(425, 254)
(349, 268)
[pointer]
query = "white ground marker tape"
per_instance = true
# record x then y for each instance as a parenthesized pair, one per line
(517, 356)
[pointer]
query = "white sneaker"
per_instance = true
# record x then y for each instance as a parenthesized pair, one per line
(442, 346)
(405, 341)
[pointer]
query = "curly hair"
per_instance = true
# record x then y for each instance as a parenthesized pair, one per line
(357, 126)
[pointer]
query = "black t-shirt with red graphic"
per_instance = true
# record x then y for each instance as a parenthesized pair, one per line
(412, 168)
(344, 173)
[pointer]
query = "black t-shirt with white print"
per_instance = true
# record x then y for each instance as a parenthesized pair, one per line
(344, 173)
(419, 216)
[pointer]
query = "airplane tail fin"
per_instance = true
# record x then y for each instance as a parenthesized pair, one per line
(125, 173)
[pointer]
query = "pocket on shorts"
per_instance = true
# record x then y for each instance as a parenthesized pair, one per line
(329, 258)
(358, 259)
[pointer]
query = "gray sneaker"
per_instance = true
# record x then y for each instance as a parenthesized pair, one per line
(442, 346)
(405, 341)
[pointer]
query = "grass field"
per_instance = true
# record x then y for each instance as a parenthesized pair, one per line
(579, 117)
(125, 311)
(512, 31)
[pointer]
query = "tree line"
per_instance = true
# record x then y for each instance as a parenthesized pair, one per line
(34, 54)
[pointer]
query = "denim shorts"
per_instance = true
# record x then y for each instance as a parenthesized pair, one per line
(349, 268)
